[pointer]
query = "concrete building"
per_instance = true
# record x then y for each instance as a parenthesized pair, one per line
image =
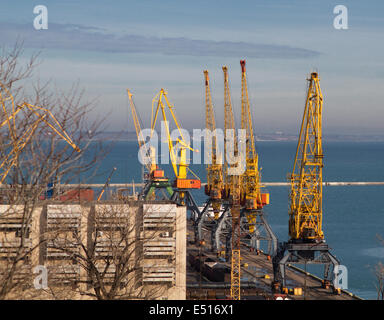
(133, 250)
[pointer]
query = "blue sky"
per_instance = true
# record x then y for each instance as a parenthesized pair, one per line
(147, 45)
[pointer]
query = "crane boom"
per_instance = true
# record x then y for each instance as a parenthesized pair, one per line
(229, 128)
(305, 216)
(214, 169)
(59, 130)
(147, 151)
(19, 142)
(106, 184)
(136, 121)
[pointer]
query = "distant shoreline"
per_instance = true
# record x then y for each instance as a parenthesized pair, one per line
(131, 136)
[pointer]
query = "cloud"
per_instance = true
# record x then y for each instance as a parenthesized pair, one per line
(87, 38)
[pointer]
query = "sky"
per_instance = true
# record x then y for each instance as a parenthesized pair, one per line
(147, 45)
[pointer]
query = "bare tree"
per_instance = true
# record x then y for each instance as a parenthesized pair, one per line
(33, 156)
(12, 72)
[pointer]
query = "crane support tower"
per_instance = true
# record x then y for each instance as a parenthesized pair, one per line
(214, 186)
(253, 200)
(306, 244)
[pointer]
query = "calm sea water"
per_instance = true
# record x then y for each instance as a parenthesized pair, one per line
(353, 215)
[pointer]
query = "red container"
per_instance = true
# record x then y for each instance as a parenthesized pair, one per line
(158, 173)
(76, 195)
(265, 198)
(187, 184)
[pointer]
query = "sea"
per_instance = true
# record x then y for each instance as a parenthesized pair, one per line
(353, 216)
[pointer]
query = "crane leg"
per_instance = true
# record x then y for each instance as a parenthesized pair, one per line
(200, 222)
(218, 230)
(307, 253)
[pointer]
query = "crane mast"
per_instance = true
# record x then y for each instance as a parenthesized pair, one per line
(232, 190)
(229, 128)
(214, 169)
(305, 216)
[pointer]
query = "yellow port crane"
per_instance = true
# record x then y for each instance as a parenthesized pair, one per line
(214, 169)
(307, 244)
(232, 189)
(19, 142)
(306, 196)
(252, 198)
(182, 184)
(154, 176)
(214, 187)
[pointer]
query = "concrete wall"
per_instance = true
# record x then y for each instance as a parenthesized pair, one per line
(158, 231)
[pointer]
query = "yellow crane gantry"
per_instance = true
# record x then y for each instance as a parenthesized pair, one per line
(305, 215)
(214, 169)
(232, 189)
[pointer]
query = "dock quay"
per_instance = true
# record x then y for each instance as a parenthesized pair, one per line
(256, 277)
